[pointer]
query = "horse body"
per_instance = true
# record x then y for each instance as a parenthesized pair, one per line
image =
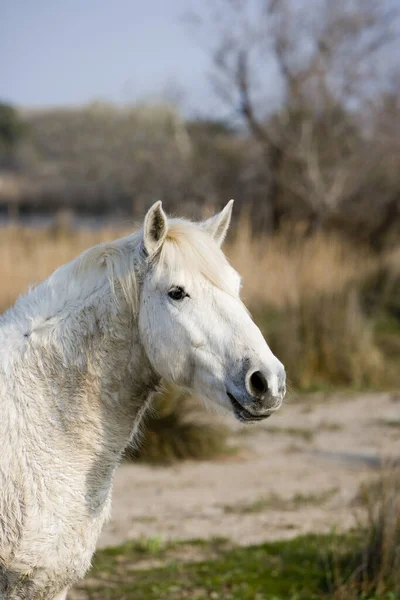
(80, 357)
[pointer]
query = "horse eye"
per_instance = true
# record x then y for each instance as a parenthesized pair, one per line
(177, 293)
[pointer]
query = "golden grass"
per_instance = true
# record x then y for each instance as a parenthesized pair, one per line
(30, 255)
(176, 428)
(304, 292)
(277, 271)
(283, 270)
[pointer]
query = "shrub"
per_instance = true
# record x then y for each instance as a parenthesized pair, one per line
(381, 289)
(376, 563)
(175, 429)
(309, 295)
(327, 340)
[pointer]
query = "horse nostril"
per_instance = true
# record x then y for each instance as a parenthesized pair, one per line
(258, 383)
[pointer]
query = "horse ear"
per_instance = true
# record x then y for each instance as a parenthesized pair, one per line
(218, 225)
(155, 228)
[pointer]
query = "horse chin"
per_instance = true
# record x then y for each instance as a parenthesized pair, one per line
(243, 415)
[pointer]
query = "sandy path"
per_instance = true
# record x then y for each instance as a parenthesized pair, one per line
(278, 486)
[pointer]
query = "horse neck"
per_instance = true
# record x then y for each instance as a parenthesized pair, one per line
(86, 356)
(119, 376)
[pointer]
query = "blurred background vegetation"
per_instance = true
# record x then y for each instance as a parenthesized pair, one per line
(324, 158)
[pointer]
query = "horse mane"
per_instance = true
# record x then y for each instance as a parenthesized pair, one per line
(117, 260)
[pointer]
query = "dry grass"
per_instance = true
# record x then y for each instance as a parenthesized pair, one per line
(277, 271)
(327, 340)
(29, 255)
(309, 296)
(376, 564)
(306, 293)
(175, 429)
(286, 269)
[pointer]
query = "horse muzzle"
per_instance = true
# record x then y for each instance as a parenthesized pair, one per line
(260, 397)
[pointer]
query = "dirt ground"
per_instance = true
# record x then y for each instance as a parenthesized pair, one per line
(298, 472)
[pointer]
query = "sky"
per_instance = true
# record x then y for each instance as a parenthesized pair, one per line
(70, 52)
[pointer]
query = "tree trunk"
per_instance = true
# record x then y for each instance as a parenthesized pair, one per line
(276, 159)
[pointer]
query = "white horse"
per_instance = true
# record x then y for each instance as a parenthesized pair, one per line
(80, 358)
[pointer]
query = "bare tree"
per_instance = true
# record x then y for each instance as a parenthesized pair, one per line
(295, 72)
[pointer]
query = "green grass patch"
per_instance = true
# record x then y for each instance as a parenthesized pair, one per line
(299, 569)
(304, 433)
(274, 501)
(388, 422)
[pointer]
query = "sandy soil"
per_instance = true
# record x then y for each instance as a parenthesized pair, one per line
(297, 472)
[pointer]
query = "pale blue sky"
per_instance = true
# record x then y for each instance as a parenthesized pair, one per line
(69, 52)
(62, 52)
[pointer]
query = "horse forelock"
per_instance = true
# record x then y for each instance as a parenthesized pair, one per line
(188, 247)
